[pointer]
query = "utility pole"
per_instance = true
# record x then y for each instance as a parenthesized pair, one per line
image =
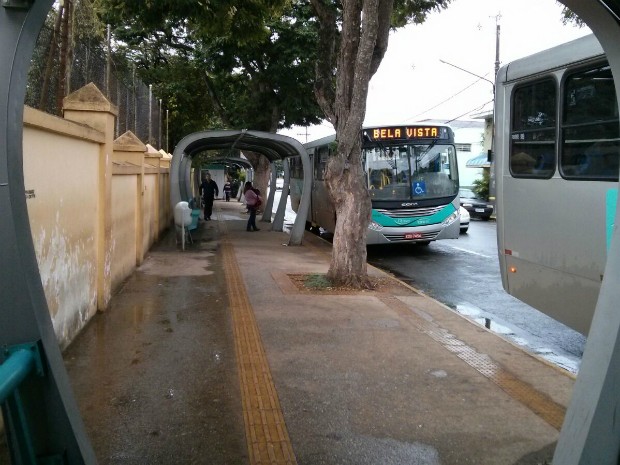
(304, 134)
(492, 187)
(497, 18)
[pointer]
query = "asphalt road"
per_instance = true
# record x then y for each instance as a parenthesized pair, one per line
(464, 275)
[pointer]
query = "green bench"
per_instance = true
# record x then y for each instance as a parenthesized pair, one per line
(193, 225)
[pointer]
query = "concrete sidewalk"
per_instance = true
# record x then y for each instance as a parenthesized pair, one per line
(213, 355)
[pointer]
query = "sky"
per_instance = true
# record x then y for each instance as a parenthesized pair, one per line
(412, 83)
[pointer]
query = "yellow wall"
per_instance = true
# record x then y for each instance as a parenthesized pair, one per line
(63, 223)
(124, 219)
(164, 195)
(149, 204)
(63, 176)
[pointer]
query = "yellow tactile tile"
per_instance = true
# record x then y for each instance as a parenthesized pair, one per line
(266, 433)
(538, 402)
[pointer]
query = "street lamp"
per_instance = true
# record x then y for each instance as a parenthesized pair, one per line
(491, 150)
(473, 74)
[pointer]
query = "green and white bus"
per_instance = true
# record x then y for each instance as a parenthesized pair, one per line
(412, 176)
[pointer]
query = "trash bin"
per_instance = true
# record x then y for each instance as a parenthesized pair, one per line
(182, 214)
(182, 219)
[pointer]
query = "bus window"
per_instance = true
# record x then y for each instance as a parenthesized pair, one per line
(297, 171)
(321, 163)
(394, 173)
(388, 172)
(533, 131)
(590, 130)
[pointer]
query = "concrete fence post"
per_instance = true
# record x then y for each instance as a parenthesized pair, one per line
(153, 160)
(128, 149)
(90, 107)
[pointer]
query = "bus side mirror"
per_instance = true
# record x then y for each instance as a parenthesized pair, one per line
(489, 155)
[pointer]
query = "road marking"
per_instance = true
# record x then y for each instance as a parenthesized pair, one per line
(468, 251)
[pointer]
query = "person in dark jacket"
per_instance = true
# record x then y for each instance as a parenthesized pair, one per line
(227, 190)
(208, 190)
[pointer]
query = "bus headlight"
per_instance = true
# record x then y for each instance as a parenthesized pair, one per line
(375, 226)
(451, 219)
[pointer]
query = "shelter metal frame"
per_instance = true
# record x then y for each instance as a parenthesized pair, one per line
(273, 146)
(590, 433)
(24, 314)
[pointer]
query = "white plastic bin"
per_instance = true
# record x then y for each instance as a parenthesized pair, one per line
(182, 214)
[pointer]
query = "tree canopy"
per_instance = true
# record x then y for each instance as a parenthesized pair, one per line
(271, 64)
(253, 69)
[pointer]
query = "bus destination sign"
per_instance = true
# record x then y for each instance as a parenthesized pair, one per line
(406, 132)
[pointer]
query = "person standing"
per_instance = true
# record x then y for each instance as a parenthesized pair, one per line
(227, 190)
(253, 201)
(208, 189)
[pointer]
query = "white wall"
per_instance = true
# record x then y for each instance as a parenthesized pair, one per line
(473, 136)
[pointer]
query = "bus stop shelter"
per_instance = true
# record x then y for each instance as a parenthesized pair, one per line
(273, 146)
(590, 433)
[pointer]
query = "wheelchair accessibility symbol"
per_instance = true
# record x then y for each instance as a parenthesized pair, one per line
(418, 188)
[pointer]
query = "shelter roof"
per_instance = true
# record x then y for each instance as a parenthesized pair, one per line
(273, 146)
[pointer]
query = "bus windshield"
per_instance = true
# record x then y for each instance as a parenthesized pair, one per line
(411, 171)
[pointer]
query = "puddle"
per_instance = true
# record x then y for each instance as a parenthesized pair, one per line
(476, 315)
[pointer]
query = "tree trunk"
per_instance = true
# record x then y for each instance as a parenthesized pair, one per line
(262, 171)
(363, 39)
(51, 58)
(352, 202)
(70, 50)
(65, 43)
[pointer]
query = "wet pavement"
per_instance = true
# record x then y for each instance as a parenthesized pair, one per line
(464, 274)
(155, 375)
(212, 355)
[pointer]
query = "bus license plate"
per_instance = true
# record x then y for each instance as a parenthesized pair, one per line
(413, 236)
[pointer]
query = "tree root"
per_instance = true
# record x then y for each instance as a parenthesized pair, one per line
(361, 282)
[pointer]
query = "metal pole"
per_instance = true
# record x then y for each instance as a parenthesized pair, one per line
(118, 102)
(135, 105)
(150, 113)
(127, 110)
(496, 49)
(108, 62)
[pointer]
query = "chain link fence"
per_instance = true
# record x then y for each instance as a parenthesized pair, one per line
(58, 70)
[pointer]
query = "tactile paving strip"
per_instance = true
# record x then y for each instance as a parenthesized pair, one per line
(538, 402)
(265, 425)
(266, 433)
